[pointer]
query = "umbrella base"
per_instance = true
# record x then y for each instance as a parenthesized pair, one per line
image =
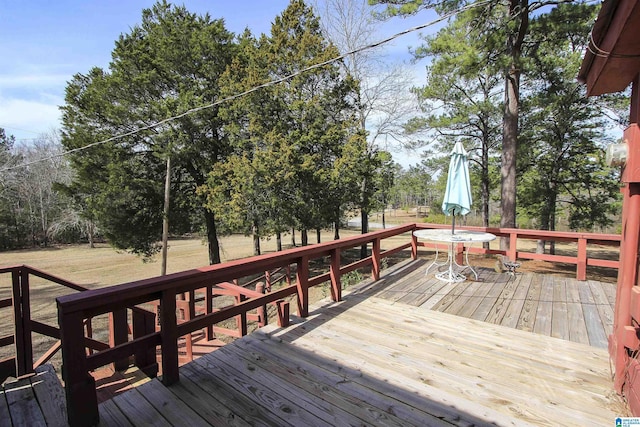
(451, 276)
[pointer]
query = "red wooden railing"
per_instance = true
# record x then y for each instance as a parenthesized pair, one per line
(21, 362)
(581, 259)
(73, 309)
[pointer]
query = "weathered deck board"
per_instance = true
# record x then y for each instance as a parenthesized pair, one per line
(371, 361)
(23, 404)
(50, 395)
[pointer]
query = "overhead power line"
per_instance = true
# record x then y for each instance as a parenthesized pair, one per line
(264, 85)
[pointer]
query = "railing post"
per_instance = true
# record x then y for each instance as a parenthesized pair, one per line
(375, 259)
(581, 270)
(80, 387)
(414, 246)
(334, 273)
(169, 337)
(512, 254)
(302, 282)
(118, 334)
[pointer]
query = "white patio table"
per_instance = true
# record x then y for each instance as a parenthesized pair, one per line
(467, 238)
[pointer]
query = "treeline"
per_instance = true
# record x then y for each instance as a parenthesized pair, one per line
(286, 156)
(32, 212)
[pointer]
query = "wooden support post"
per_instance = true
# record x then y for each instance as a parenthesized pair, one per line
(627, 278)
(169, 337)
(581, 269)
(512, 254)
(118, 334)
(414, 246)
(376, 260)
(334, 273)
(18, 327)
(26, 321)
(80, 387)
(283, 313)
(144, 323)
(302, 282)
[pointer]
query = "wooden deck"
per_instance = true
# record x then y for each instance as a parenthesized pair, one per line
(388, 355)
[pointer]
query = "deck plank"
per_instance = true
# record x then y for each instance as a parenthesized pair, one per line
(177, 412)
(527, 318)
(593, 322)
(544, 314)
(514, 309)
(559, 320)
(5, 417)
(403, 404)
(23, 405)
(238, 404)
(603, 305)
(310, 410)
(206, 404)
(575, 313)
(499, 309)
(138, 409)
(111, 415)
(50, 395)
(321, 386)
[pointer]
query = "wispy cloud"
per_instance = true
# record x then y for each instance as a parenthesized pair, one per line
(31, 81)
(25, 119)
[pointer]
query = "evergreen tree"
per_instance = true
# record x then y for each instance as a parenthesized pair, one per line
(563, 166)
(167, 65)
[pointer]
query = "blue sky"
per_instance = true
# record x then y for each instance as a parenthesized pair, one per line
(43, 43)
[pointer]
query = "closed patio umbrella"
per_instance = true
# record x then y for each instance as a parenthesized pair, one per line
(457, 196)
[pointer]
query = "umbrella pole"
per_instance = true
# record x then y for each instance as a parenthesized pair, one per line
(453, 222)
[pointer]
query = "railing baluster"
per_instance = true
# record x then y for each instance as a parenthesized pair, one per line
(336, 286)
(18, 324)
(208, 310)
(144, 323)
(118, 334)
(25, 298)
(302, 281)
(376, 260)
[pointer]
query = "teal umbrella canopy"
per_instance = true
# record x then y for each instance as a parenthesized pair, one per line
(457, 196)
